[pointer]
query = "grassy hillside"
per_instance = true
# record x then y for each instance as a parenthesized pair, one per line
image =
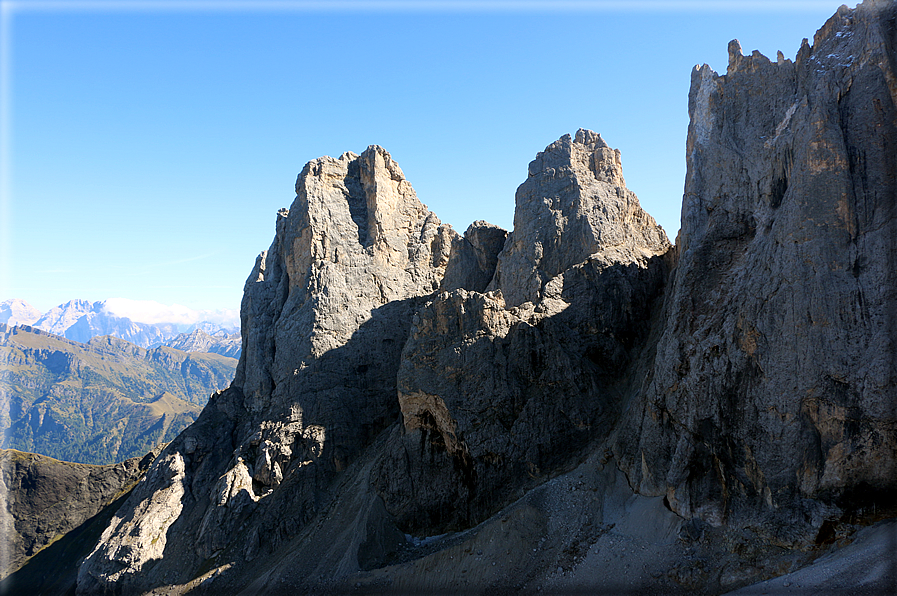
(99, 402)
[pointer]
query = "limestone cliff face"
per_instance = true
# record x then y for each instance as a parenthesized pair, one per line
(325, 314)
(772, 396)
(355, 239)
(502, 392)
(574, 205)
(397, 378)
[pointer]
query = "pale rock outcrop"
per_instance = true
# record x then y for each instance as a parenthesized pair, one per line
(135, 539)
(573, 205)
(325, 313)
(772, 398)
(59, 318)
(499, 394)
(81, 320)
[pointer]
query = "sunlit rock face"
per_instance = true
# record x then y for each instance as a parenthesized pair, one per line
(573, 206)
(773, 393)
(325, 313)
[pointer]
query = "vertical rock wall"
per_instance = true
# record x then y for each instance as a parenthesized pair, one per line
(325, 313)
(501, 390)
(773, 392)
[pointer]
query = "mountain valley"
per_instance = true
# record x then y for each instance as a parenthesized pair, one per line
(103, 401)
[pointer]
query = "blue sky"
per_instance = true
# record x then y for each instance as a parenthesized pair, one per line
(147, 146)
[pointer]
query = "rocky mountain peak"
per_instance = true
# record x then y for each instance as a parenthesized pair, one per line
(573, 206)
(360, 210)
(325, 313)
(586, 152)
(355, 238)
(737, 408)
(18, 312)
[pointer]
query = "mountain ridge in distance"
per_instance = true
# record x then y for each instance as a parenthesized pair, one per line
(80, 320)
(102, 401)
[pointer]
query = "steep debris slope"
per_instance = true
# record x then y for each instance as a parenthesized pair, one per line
(325, 313)
(772, 399)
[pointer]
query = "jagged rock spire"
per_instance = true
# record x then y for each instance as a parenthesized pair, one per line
(574, 205)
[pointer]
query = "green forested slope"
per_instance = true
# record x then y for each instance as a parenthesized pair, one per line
(99, 402)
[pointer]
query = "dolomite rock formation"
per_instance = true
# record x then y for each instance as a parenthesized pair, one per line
(502, 394)
(772, 399)
(580, 392)
(325, 313)
(473, 257)
(573, 206)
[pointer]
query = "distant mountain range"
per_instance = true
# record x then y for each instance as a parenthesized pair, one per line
(198, 340)
(102, 401)
(82, 320)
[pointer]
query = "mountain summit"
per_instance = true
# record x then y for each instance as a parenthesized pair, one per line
(576, 406)
(142, 322)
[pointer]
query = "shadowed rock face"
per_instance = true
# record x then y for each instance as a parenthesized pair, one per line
(473, 257)
(397, 378)
(325, 313)
(496, 396)
(772, 395)
(44, 498)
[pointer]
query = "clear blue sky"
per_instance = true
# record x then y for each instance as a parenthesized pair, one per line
(147, 146)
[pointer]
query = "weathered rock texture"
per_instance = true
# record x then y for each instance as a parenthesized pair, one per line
(772, 398)
(325, 314)
(473, 257)
(495, 398)
(510, 393)
(574, 205)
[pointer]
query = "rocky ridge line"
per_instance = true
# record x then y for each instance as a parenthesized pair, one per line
(708, 403)
(771, 401)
